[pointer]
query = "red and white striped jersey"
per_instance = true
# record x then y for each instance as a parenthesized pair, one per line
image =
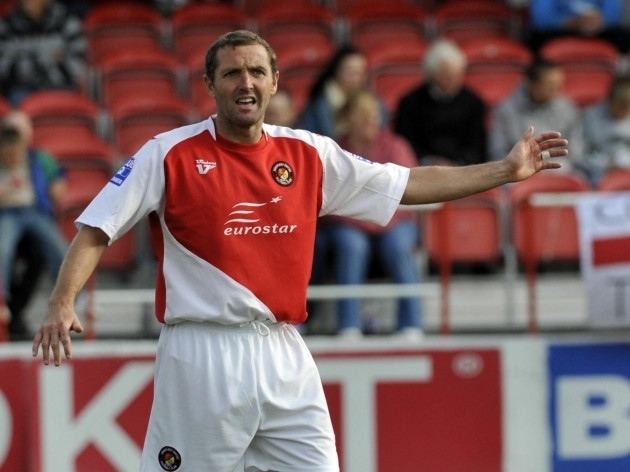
(236, 223)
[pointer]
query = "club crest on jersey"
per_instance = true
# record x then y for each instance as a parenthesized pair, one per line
(282, 173)
(121, 174)
(203, 167)
(169, 458)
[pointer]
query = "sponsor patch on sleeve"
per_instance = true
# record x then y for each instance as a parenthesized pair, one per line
(121, 175)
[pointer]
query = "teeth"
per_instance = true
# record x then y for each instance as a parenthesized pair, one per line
(245, 101)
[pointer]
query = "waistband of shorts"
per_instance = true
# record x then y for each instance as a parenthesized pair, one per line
(262, 327)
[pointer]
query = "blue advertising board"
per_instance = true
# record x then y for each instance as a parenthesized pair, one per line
(589, 405)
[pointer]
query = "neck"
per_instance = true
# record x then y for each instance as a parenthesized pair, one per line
(238, 134)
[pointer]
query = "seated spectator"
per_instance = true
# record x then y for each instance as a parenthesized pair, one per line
(352, 242)
(280, 110)
(591, 18)
(538, 102)
(30, 185)
(443, 120)
(41, 47)
(607, 131)
(345, 73)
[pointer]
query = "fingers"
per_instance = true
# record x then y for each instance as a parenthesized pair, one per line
(49, 337)
(547, 135)
(553, 143)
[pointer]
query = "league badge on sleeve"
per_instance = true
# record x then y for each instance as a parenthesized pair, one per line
(121, 175)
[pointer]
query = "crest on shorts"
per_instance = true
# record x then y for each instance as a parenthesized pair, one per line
(169, 458)
(282, 173)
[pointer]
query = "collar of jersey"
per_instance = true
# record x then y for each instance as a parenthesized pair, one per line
(227, 144)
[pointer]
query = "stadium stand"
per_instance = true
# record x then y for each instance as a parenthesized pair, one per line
(198, 24)
(462, 20)
(56, 113)
(118, 26)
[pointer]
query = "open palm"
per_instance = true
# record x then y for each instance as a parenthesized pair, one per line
(525, 158)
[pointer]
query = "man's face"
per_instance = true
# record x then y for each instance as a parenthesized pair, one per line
(242, 84)
(548, 85)
(449, 77)
(12, 154)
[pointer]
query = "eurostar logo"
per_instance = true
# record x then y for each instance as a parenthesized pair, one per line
(244, 217)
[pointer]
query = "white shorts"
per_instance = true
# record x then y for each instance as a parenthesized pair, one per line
(230, 398)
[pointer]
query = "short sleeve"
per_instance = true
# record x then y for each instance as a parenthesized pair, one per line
(358, 188)
(134, 191)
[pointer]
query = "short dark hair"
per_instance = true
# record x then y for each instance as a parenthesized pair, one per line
(537, 68)
(237, 38)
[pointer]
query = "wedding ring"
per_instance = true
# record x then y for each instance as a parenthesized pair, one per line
(545, 155)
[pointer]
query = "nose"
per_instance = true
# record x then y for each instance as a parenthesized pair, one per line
(246, 81)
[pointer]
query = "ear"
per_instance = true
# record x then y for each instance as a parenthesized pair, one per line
(276, 77)
(209, 84)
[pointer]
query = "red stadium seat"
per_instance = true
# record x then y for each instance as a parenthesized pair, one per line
(300, 65)
(197, 25)
(495, 67)
(199, 95)
(374, 23)
(134, 73)
(465, 230)
(614, 180)
(84, 153)
(138, 119)
(589, 65)
(393, 71)
(118, 26)
(462, 20)
(61, 113)
(545, 233)
(301, 17)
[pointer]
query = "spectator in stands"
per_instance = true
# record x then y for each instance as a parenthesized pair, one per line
(30, 187)
(28, 264)
(281, 110)
(345, 73)
(41, 47)
(591, 18)
(607, 131)
(443, 119)
(351, 241)
(538, 102)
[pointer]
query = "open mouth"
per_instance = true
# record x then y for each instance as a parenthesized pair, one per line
(246, 102)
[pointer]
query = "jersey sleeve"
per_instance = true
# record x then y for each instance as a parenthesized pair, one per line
(358, 188)
(134, 191)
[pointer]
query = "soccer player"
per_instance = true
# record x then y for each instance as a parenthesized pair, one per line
(234, 203)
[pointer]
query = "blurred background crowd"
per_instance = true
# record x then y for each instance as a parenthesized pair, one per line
(452, 82)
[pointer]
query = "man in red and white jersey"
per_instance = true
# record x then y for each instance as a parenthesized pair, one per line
(234, 203)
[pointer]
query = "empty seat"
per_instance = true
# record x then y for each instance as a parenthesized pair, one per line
(299, 66)
(133, 73)
(301, 17)
(465, 230)
(4, 106)
(495, 67)
(85, 153)
(61, 113)
(394, 71)
(545, 233)
(374, 23)
(118, 26)
(462, 20)
(197, 25)
(138, 119)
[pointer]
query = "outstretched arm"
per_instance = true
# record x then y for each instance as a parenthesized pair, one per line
(80, 261)
(438, 184)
